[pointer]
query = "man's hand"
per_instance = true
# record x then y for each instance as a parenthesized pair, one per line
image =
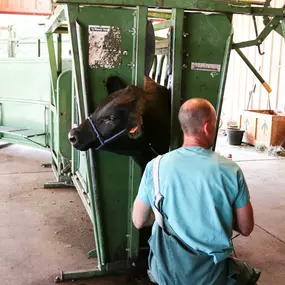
(142, 214)
(243, 220)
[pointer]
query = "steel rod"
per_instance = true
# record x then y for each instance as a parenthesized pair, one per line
(255, 72)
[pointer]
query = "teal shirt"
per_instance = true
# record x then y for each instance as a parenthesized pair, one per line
(200, 190)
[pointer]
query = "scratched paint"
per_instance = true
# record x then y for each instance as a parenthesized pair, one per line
(213, 74)
(104, 47)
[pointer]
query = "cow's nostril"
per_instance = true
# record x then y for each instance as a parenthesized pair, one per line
(72, 140)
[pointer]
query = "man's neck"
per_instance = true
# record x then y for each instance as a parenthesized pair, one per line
(194, 141)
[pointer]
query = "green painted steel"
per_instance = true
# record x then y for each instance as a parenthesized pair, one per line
(106, 164)
(163, 25)
(272, 25)
(59, 110)
(63, 119)
(204, 5)
(139, 49)
(195, 60)
(24, 99)
(248, 63)
(205, 45)
(176, 68)
(224, 72)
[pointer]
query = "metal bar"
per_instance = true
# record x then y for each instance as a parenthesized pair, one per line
(78, 71)
(71, 15)
(135, 172)
(166, 74)
(74, 152)
(255, 72)
(39, 47)
(159, 15)
(162, 25)
(141, 16)
(39, 144)
(161, 44)
(83, 195)
(56, 19)
(224, 72)
(13, 100)
(154, 66)
(52, 185)
(177, 49)
(52, 63)
(96, 209)
(262, 36)
(256, 2)
(256, 34)
(159, 69)
(159, 38)
(79, 274)
(206, 6)
(282, 24)
(59, 53)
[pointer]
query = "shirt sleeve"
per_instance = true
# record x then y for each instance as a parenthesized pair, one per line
(243, 194)
(144, 187)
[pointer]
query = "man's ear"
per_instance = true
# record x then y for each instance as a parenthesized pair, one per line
(207, 127)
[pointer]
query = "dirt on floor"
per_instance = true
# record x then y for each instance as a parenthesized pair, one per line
(43, 232)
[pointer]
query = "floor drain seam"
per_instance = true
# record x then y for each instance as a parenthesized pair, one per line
(270, 234)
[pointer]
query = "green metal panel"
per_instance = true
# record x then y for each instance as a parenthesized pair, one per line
(112, 171)
(24, 97)
(64, 116)
(199, 53)
(176, 59)
(233, 6)
(205, 44)
(134, 170)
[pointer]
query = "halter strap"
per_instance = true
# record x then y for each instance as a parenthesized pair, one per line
(100, 138)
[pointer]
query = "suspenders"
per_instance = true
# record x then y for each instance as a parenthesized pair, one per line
(157, 195)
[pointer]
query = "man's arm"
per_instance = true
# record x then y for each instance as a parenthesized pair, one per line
(142, 214)
(243, 220)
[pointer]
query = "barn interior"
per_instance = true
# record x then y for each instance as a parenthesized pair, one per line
(54, 227)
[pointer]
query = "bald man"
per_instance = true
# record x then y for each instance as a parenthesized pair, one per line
(198, 199)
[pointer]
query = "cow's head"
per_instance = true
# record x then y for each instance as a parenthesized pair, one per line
(118, 118)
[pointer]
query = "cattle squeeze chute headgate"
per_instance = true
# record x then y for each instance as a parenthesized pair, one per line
(109, 38)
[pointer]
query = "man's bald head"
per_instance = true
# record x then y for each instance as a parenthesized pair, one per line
(194, 114)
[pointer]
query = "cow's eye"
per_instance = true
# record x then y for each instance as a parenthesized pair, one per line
(111, 118)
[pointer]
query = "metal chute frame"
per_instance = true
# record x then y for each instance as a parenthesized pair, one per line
(198, 53)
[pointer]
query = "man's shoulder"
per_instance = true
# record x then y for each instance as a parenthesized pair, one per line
(227, 163)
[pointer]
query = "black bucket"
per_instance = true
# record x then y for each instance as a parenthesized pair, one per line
(235, 136)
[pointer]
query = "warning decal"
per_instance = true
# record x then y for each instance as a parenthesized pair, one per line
(104, 46)
(205, 66)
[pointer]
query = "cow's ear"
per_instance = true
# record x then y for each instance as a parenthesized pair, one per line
(114, 83)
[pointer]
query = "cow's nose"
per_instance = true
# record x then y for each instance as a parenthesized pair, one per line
(72, 137)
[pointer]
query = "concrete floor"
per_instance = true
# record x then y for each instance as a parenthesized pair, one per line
(45, 231)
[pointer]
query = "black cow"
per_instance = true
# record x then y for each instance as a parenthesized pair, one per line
(130, 121)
